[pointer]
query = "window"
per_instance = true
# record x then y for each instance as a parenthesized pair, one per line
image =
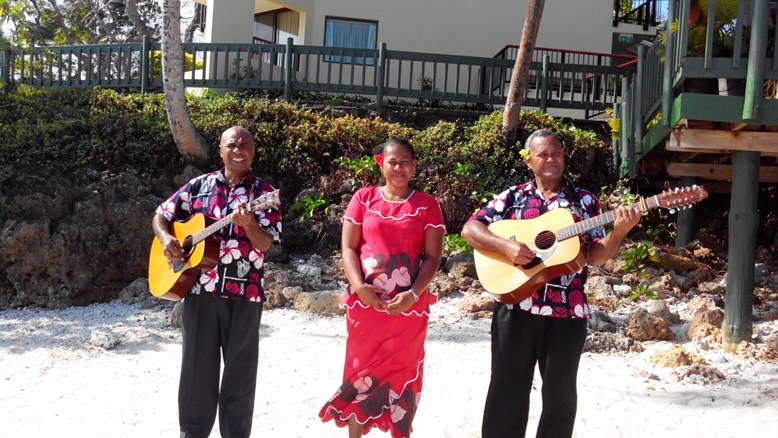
(352, 34)
(275, 27)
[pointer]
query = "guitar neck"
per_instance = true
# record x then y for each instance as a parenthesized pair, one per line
(609, 216)
(265, 201)
(210, 229)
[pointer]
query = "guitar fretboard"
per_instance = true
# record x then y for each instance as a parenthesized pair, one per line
(264, 201)
(603, 219)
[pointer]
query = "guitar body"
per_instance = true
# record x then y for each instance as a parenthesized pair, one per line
(173, 283)
(511, 283)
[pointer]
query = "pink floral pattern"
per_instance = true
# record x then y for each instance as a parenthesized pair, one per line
(239, 273)
(562, 297)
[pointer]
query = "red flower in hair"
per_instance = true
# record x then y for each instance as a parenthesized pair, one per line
(379, 160)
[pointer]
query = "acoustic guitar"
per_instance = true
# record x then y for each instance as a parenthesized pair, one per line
(201, 251)
(553, 238)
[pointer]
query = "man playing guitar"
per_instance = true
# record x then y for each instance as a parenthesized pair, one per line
(548, 327)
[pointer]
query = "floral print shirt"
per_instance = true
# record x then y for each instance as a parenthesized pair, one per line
(240, 270)
(562, 297)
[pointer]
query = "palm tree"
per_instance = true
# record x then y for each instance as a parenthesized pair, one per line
(188, 141)
(529, 35)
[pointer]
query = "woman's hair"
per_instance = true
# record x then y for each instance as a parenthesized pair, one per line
(380, 149)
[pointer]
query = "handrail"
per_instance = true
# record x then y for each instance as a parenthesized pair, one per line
(430, 78)
(510, 51)
(645, 14)
(664, 73)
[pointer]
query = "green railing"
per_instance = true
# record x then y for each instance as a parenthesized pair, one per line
(735, 50)
(292, 68)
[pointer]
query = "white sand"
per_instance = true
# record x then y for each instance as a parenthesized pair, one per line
(55, 381)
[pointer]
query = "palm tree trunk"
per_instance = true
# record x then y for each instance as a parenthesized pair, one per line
(188, 141)
(520, 74)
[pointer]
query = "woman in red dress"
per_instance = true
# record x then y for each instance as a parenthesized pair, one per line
(392, 242)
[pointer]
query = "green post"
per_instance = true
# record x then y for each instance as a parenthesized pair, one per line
(684, 232)
(626, 128)
(637, 119)
(544, 84)
(743, 223)
(5, 67)
(288, 66)
(380, 76)
(667, 78)
(752, 103)
(145, 71)
(616, 141)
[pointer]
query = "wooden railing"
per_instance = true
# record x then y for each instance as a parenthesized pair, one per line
(575, 80)
(665, 73)
(646, 13)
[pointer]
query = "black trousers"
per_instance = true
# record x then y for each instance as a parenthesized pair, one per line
(214, 328)
(519, 341)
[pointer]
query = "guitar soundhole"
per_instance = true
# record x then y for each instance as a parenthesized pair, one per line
(545, 240)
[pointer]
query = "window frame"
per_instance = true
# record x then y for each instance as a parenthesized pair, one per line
(357, 60)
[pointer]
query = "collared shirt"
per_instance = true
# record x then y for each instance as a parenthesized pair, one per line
(562, 297)
(240, 270)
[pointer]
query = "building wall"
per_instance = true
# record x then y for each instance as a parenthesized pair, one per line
(466, 27)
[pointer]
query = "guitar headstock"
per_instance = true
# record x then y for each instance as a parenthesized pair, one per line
(681, 197)
(268, 200)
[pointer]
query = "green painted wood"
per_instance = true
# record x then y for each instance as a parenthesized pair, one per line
(743, 223)
(715, 108)
(685, 230)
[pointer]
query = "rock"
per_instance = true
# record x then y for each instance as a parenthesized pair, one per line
(599, 321)
(702, 374)
(676, 356)
(599, 342)
(712, 287)
(473, 303)
(643, 327)
(701, 302)
(176, 315)
(660, 309)
(699, 275)
(103, 339)
(137, 292)
(599, 287)
(672, 262)
(461, 265)
(324, 302)
(714, 317)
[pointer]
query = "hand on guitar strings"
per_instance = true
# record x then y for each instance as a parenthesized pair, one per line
(172, 250)
(518, 253)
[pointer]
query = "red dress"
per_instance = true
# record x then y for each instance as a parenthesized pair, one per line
(382, 377)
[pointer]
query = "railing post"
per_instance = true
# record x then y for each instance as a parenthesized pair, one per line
(667, 79)
(616, 11)
(752, 104)
(544, 84)
(145, 71)
(637, 85)
(380, 73)
(616, 141)
(6, 57)
(626, 126)
(288, 69)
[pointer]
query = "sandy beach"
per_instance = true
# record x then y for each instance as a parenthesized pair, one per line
(111, 370)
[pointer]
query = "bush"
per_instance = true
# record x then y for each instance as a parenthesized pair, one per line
(298, 148)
